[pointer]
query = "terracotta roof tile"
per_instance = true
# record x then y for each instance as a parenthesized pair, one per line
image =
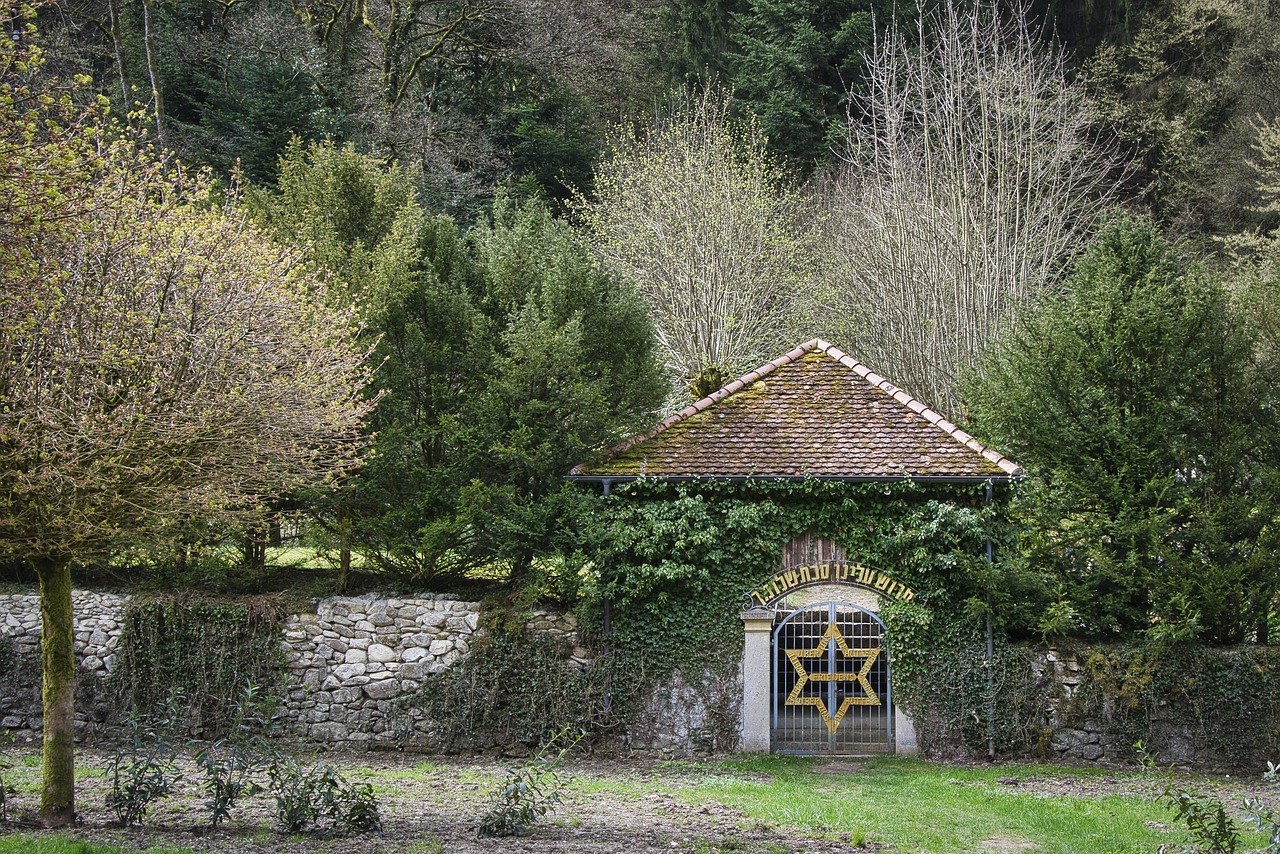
(814, 412)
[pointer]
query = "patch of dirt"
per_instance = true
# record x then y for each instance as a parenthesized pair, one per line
(432, 804)
(839, 766)
(1001, 845)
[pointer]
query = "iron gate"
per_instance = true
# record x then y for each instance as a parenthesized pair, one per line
(830, 682)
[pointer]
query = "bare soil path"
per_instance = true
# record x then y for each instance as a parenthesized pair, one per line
(432, 804)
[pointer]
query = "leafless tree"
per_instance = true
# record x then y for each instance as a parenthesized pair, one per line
(972, 178)
(695, 212)
(591, 46)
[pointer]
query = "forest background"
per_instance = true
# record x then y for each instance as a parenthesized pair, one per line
(377, 273)
(558, 220)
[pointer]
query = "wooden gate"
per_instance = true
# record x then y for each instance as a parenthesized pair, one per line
(831, 690)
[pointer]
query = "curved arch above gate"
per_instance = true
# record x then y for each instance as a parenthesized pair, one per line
(787, 581)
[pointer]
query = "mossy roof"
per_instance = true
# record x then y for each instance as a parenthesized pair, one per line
(815, 412)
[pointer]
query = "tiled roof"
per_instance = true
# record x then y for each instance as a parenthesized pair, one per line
(814, 412)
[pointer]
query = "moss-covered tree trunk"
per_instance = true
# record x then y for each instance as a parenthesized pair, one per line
(57, 639)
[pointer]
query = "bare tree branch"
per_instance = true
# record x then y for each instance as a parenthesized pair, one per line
(695, 212)
(972, 179)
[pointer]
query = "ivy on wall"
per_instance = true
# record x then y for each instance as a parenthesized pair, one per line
(679, 558)
(1190, 704)
(207, 650)
(961, 700)
(1187, 703)
(515, 688)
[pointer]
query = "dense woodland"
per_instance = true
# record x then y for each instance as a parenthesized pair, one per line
(525, 97)
(545, 223)
(384, 270)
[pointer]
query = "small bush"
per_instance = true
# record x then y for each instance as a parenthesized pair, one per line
(1262, 817)
(143, 766)
(531, 790)
(306, 794)
(1210, 828)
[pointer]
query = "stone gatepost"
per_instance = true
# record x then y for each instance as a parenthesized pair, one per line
(757, 683)
(904, 733)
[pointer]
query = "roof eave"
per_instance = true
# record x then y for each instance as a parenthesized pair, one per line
(894, 478)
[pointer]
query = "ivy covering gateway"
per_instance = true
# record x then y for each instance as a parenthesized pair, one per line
(679, 560)
(701, 509)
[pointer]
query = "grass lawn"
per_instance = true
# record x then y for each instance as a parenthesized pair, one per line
(917, 805)
(21, 843)
(913, 805)
(749, 805)
(307, 557)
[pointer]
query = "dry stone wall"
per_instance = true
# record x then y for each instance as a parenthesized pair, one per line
(351, 660)
(97, 634)
(347, 663)
(1094, 737)
(354, 657)
(689, 715)
(1084, 740)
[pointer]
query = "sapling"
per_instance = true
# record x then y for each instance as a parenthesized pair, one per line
(531, 790)
(230, 763)
(143, 767)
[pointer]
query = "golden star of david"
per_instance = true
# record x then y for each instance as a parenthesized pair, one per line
(868, 656)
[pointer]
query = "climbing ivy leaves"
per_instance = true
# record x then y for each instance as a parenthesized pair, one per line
(679, 558)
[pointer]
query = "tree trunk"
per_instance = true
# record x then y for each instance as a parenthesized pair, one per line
(521, 566)
(57, 638)
(255, 549)
(153, 66)
(344, 550)
(117, 43)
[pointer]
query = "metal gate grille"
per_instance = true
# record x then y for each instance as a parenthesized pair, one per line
(830, 682)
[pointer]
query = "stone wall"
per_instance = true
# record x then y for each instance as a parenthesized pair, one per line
(684, 716)
(1080, 740)
(354, 657)
(97, 633)
(347, 662)
(351, 658)
(1077, 738)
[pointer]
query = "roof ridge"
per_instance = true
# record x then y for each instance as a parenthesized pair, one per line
(715, 397)
(917, 406)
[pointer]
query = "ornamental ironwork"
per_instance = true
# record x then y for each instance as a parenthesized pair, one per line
(831, 690)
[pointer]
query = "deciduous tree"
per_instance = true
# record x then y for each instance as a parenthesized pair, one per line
(695, 211)
(159, 360)
(972, 179)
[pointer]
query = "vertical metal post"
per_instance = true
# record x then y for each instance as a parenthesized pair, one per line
(832, 702)
(991, 656)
